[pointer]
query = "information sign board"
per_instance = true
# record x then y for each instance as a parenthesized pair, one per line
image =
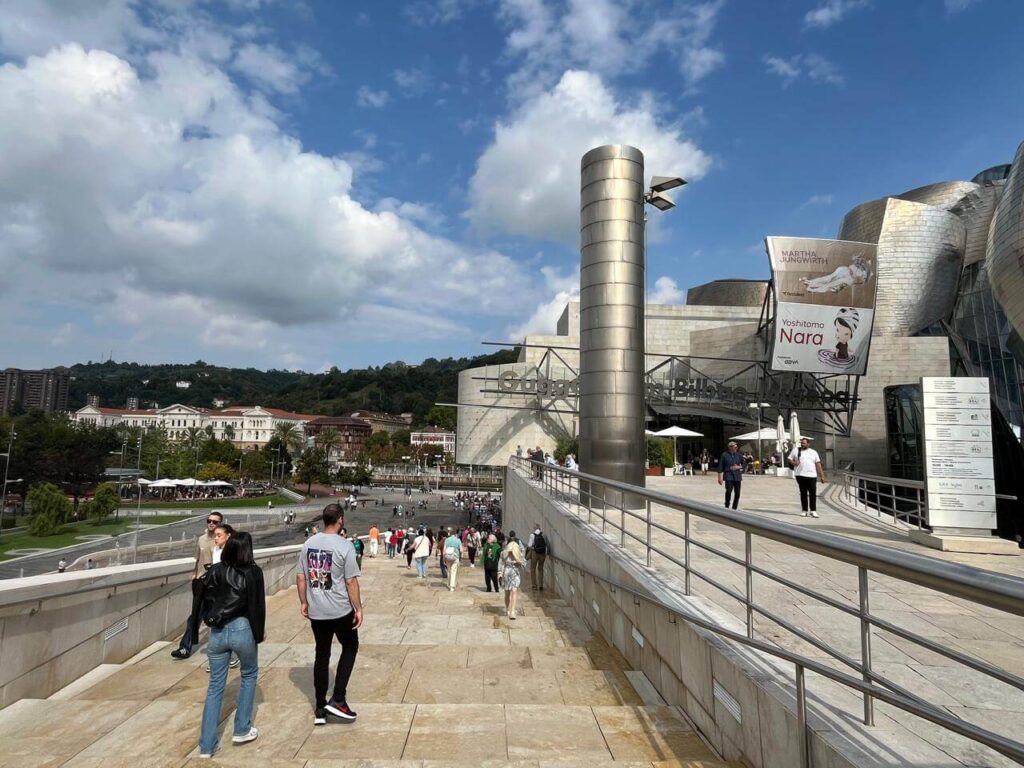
(959, 470)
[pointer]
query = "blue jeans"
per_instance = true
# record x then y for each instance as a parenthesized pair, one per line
(235, 636)
(421, 566)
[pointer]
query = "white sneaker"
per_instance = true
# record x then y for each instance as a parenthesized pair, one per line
(815, 514)
(246, 738)
(803, 514)
(206, 755)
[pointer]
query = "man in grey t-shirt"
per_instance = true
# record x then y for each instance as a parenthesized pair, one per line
(328, 585)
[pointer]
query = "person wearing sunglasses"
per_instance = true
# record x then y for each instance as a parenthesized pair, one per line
(205, 544)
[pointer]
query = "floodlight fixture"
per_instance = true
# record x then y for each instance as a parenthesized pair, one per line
(660, 201)
(665, 183)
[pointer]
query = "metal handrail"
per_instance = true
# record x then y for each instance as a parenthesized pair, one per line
(986, 588)
(1008, 747)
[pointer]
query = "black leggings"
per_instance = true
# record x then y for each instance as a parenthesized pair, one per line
(324, 632)
(732, 489)
(808, 492)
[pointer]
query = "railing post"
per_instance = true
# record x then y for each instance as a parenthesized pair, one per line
(865, 643)
(801, 717)
(686, 549)
(750, 586)
(648, 533)
(604, 510)
(622, 521)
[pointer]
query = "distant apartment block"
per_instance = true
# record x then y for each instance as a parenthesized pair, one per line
(434, 436)
(385, 422)
(45, 390)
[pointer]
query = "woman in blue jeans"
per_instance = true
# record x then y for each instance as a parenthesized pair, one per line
(231, 601)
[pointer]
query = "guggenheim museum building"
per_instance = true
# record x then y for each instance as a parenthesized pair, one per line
(949, 301)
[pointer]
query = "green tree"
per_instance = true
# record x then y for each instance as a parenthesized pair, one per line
(216, 470)
(229, 432)
(565, 446)
(254, 464)
(312, 468)
(443, 416)
(659, 451)
(104, 502)
(194, 437)
(290, 434)
(50, 508)
(328, 439)
(401, 437)
(379, 439)
(223, 451)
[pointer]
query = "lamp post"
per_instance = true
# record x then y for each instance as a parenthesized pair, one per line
(138, 457)
(138, 519)
(759, 406)
(7, 466)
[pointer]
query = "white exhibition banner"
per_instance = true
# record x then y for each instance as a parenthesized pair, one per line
(959, 470)
(824, 304)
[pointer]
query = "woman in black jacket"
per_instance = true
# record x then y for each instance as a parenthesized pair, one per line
(231, 601)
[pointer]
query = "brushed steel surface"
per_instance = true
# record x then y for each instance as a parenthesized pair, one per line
(611, 401)
(1005, 259)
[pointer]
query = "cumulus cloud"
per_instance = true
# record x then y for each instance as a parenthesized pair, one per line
(367, 97)
(544, 318)
(183, 191)
(814, 66)
(831, 12)
(609, 37)
(35, 26)
(666, 291)
(527, 181)
(271, 69)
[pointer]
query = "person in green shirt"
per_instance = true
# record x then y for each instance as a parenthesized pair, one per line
(491, 556)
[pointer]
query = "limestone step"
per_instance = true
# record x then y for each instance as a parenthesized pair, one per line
(442, 679)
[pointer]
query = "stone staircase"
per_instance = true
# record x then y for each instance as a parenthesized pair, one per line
(442, 679)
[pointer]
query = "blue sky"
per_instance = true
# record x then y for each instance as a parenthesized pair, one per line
(300, 185)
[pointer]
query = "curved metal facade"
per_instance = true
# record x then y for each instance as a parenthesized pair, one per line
(1005, 258)
(611, 381)
(920, 255)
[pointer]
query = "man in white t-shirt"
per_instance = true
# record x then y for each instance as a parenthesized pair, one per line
(807, 466)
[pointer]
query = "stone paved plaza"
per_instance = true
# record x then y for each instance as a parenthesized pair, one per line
(442, 679)
(987, 634)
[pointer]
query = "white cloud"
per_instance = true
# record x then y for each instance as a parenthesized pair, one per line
(412, 80)
(812, 65)
(609, 37)
(666, 291)
(544, 319)
(527, 181)
(428, 12)
(816, 200)
(175, 192)
(36, 26)
(270, 68)
(831, 12)
(955, 6)
(367, 97)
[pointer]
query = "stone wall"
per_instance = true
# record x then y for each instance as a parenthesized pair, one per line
(685, 664)
(894, 360)
(57, 627)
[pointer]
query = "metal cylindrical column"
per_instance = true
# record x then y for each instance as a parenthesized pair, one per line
(612, 264)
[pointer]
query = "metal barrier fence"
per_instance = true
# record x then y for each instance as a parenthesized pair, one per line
(594, 498)
(902, 500)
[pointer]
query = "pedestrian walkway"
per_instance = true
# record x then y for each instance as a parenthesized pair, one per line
(442, 679)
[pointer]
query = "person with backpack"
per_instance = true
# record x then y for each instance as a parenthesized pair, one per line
(420, 553)
(537, 552)
(451, 555)
(357, 545)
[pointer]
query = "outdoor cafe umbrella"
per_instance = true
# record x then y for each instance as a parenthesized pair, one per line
(765, 433)
(675, 432)
(780, 429)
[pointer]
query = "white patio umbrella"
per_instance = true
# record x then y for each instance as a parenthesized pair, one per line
(780, 432)
(675, 432)
(765, 433)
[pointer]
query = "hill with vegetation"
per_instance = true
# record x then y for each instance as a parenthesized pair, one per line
(393, 388)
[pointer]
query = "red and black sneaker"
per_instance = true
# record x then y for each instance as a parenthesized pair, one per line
(344, 711)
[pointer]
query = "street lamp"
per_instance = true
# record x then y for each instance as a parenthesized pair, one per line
(659, 185)
(138, 458)
(759, 406)
(7, 466)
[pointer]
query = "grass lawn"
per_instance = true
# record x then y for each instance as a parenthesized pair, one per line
(253, 501)
(69, 535)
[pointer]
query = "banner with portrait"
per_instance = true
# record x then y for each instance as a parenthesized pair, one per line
(824, 304)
